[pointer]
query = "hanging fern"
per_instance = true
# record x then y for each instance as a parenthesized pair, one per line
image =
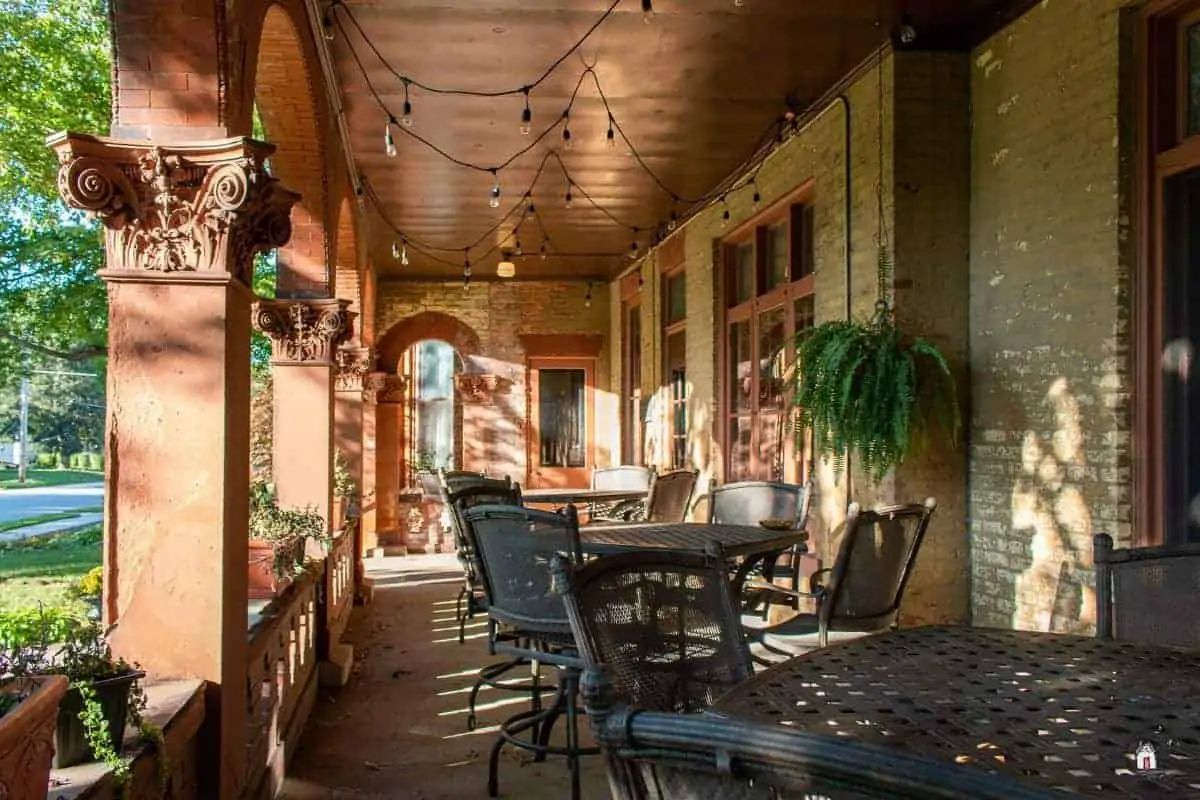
(866, 389)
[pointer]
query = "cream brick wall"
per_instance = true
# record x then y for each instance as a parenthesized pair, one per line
(1049, 314)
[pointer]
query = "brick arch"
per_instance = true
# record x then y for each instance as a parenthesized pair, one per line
(285, 94)
(426, 325)
(347, 275)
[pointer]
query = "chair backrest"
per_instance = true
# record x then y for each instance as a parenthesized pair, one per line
(622, 477)
(516, 546)
(1141, 593)
(480, 491)
(874, 562)
(748, 502)
(663, 623)
(652, 755)
(671, 496)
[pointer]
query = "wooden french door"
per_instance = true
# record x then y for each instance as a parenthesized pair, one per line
(562, 438)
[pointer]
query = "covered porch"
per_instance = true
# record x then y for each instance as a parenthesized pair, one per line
(535, 241)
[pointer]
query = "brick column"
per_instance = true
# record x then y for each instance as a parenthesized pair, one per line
(352, 366)
(305, 335)
(388, 408)
(181, 225)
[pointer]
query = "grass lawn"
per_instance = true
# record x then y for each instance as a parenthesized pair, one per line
(47, 477)
(13, 525)
(40, 570)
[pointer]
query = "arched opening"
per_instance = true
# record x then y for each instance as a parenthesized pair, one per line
(434, 417)
(283, 98)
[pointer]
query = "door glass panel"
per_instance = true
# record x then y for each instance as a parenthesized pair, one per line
(777, 256)
(435, 405)
(770, 447)
(741, 369)
(743, 274)
(676, 298)
(1193, 80)
(740, 432)
(772, 330)
(806, 315)
(677, 375)
(562, 418)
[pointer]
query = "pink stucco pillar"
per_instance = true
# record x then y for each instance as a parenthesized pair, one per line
(181, 225)
(353, 363)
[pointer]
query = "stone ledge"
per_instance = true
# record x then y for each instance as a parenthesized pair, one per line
(177, 707)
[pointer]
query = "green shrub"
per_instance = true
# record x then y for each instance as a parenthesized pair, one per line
(45, 460)
(59, 461)
(75, 461)
(29, 625)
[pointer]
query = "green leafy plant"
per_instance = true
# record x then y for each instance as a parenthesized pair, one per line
(286, 529)
(868, 389)
(343, 482)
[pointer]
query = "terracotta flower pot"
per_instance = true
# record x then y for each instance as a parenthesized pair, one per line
(27, 739)
(264, 583)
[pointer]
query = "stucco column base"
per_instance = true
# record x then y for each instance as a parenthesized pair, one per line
(181, 225)
(334, 672)
(385, 395)
(304, 337)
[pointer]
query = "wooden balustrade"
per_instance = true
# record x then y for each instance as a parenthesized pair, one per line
(339, 585)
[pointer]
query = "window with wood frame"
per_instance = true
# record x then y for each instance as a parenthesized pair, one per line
(1167, 329)
(631, 370)
(674, 315)
(767, 298)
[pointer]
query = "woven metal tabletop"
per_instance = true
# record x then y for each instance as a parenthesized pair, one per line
(582, 495)
(1060, 711)
(735, 540)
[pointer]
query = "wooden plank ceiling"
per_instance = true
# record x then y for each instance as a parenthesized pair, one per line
(694, 89)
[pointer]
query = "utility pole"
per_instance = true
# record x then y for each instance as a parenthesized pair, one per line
(23, 435)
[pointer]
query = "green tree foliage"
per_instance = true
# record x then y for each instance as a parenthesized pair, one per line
(55, 66)
(66, 411)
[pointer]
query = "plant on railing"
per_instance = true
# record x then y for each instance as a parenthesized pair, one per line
(343, 482)
(285, 529)
(105, 691)
(868, 389)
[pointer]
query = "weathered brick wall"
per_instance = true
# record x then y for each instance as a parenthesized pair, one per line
(494, 437)
(1049, 460)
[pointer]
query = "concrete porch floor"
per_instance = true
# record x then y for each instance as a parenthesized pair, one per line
(399, 728)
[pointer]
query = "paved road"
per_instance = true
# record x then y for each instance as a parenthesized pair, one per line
(23, 503)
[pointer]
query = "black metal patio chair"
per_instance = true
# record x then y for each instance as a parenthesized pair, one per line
(1138, 590)
(516, 546)
(620, 478)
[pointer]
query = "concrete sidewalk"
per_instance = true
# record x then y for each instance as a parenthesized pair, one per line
(47, 528)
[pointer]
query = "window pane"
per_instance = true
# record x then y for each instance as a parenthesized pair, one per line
(435, 404)
(740, 429)
(743, 274)
(676, 298)
(772, 329)
(777, 256)
(1193, 79)
(561, 417)
(677, 375)
(740, 368)
(770, 447)
(806, 315)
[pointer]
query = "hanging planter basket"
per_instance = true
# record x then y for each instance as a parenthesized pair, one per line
(870, 391)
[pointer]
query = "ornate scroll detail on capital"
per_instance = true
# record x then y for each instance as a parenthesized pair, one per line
(476, 388)
(380, 387)
(205, 207)
(304, 331)
(353, 364)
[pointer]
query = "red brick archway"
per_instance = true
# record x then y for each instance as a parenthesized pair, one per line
(285, 97)
(347, 275)
(426, 325)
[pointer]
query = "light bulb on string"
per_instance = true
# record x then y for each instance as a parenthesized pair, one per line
(568, 200)
(404, 254)
(566, 137)
(673, 221)
(633, 249)
(756, 198)
(587, 298)
(406, 115)
(395, 250)
(647, 11)
(494, 197)
(641, 280)
(517, 249)
(526, 116)
(327, 23)
(724, 212)
(610, 137)
(545, 251)
(739, 3)
(389, 141)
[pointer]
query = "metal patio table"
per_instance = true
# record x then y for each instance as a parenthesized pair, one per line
(1057, 711)
(564, 496)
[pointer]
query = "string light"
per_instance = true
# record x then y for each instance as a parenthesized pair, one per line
(395, 250)
(526, 115)
(724, 212)
(466, 272)
(544, 251)
(674, 221)
(610, 138)
(566, 133)
(641, 280)
(518, 250)
(327, 23)
(389, 141)
(633, 249)
(567, 200)
(506, 268)
(404, 254)
(406, 115)
(494, 198)
(739, 3)
(756, 198)
(587, 298)
(647, 11)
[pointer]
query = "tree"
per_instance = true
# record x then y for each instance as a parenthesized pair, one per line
(56, 53)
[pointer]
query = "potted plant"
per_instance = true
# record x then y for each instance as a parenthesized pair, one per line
(869, 390)
(345, 491)
(425, 466)
(28, 711)
(104, 693)
(277, 539)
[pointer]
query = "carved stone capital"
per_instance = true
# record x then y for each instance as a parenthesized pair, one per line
(381, 387)
(304, 331)
(205, 207)
(353, 364)
(478, 388)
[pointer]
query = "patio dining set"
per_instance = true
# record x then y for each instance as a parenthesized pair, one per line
(660, 632)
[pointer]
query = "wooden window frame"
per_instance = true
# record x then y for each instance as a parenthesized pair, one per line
(631, 372)
(792, 210)
(670, 329)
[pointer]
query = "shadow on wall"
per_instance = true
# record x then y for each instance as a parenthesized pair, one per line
(1055, 592)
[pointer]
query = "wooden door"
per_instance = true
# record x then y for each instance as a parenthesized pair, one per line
(562, 438)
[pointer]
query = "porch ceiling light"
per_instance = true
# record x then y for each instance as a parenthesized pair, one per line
(506, 268)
